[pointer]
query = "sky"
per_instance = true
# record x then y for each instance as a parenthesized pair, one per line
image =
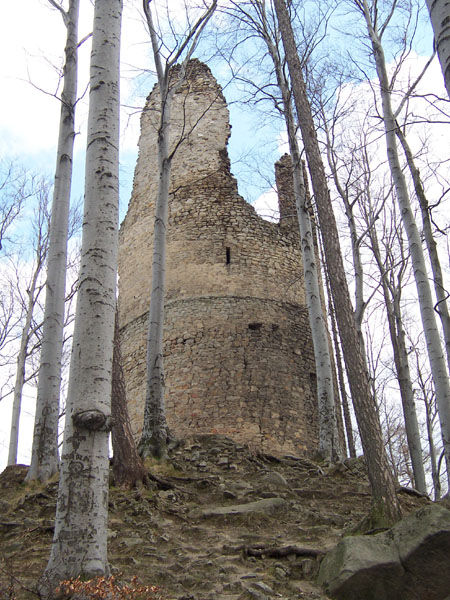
(31, 44)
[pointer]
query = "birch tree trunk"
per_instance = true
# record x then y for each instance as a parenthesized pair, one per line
(155, 433)
(440, 21)
(340, 371)
(44, 456)
(328, 439)
(385, 504)
(80, 539)
(434, 347)
(21, 360)
(391, 295)
(438, 278)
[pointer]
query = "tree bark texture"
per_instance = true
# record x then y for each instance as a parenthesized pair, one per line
(44, 455)
(155, 433)
(391, 295)
(340, 375)
(431, 333)
(328, 439)
(20, 374)
(128, 469)
(385, 504)
(440, 20)
(80, 539)
(438, 278)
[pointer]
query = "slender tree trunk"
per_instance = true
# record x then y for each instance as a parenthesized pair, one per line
(385, 503)
(44, 456)
(328, 437)
(80, 539)
(20, 372)
(397, 335)
(358, 270)
(155, 433)
(433, 457)
(328, 443)
(438, 278)
(128, 468)
(434, 347)
(340, 374)
(440, 21)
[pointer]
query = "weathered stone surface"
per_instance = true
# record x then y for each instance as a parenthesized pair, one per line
(265, 505)
(362, 568)
(275, 480)
(408, 562)
(238, 355)
(423, 543)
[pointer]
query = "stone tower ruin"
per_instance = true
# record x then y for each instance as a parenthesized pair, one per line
(238, 354)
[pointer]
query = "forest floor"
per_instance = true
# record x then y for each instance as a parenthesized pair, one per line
(231, 524)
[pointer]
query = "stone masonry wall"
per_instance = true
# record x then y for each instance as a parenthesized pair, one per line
(238, 355)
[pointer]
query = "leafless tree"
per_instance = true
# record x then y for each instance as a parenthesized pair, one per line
(155, 432)
(34, 287)
(386, 507)
(377, 23)
(80, 538)
(44, 456)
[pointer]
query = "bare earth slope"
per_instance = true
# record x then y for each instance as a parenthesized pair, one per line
(222, 523)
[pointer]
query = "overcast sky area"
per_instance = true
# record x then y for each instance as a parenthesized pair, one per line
(32, 38)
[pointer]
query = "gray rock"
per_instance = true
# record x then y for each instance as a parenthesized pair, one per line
(260, 585)
(423, 543)
(229, 494)
(408, 562)
(267, 505)
(275, 480)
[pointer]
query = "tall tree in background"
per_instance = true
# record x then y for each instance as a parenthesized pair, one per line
(80, 538)
(13, 193)
(328, 438)
(34, 288)
(392, 269)
(44, 456)
(376, 28)
(155, 432)
(427, 231)
(440, 21)
(385, 503)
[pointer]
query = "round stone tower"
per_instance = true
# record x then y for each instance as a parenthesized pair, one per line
(238, 355)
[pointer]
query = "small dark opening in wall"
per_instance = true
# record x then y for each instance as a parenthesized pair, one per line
(228, 254)
(254, 326)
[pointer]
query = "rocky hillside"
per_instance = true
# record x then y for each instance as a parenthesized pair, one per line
(222, 523)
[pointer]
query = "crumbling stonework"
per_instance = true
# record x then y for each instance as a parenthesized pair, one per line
(238, 355)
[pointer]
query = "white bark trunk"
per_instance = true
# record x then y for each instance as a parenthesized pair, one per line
(397, 335)
(79, 543)
(440, 20)
(328, 439)
(385, 503)
(44, 457)
(434, 347)
(155, 433)
(20, 372)
(438, 278)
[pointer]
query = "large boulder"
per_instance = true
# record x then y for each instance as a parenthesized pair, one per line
(408, 562)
